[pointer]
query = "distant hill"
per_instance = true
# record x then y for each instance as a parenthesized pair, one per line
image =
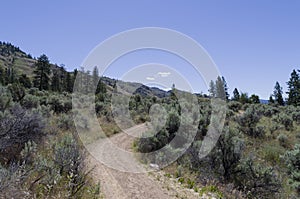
(262, 101)
(12, 57)
(23, 63)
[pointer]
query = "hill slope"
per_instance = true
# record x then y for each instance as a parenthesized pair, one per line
(12, 57)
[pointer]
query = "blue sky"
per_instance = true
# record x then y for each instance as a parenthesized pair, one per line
(253, 43)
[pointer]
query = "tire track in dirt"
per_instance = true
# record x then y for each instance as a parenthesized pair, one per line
(117, 184)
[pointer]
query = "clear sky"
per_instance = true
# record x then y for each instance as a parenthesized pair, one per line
(253, 43)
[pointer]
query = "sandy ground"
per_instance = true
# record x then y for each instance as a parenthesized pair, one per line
(118, 184)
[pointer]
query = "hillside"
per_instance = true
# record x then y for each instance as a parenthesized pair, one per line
(256, 154)
(23, 63)
(13, 57)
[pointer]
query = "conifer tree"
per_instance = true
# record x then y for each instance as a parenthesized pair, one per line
(212, 89)
(278, 94)
(220, 90)
(95, 77)
(271, 100)
(25, 81)
(236, 95)
(294, 89)
(69, 83)
(42, 73)
(225, 88)
(56, 81)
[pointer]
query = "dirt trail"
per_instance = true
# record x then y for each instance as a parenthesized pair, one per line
(116, 184)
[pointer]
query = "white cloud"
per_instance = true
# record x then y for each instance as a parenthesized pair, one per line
(150, 78)
(164, 74)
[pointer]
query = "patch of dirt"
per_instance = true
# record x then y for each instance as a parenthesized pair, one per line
(118, 184)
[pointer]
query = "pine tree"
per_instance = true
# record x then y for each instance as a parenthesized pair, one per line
(212, 89)
(73, 78)
(271, 100)
(62, 77)
(294, 89)
(56, 81)
(254, 99)
(6, 76)
(278, 94)
(2, 75)
(225, 87)
(236, 95)
(88, 82)
(220, 90)
(101, 87)
(95, 77)
(79, 76)
(42, 73)
(69, 83)
(9, 76)
(12, 76)
(25, 81)
(244, 98)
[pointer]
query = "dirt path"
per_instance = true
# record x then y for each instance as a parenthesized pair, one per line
(117, 184)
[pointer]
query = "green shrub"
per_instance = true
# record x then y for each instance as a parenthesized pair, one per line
(292, 159)
(234, 106)
(211, 189)
(283, 140)
(274, 126)
(65, 122)
(33, 91)
(181, 180)
(258, 181)
(69, 161)
(259, 131)
(18, 126)
(285, 120)
(12, 180)
(30, 101)
(272, 154)
(5, 99)
(190, 183)
(269, 111)
(248, 122)
(228, 152)
(59, 103)
(17, 91)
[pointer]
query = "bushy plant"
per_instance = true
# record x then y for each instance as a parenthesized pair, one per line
(30, 101)
(272, 154)
(269, 111)
(5, 99)
(235, 106)
(292, 159)
(283, 140)
(12, 179)
(228, 151)
(285, 120)
(249, 120)
(65, 122)
(294, 112)
(259, 131)
(17, 91)
(69, 160)
(211, 189)
(258, 181)
(60, 104)
(18, 126)
(33, 91)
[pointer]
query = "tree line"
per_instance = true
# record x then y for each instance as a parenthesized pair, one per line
(219, 89)
(56, 79)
